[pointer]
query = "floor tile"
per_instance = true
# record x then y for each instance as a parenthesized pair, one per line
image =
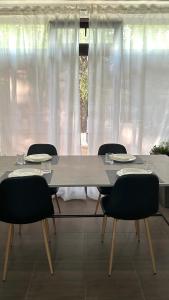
(80, 260)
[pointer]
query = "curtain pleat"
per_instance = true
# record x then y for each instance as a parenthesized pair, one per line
(128, 88)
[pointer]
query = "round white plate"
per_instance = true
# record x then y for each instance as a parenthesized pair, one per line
(25, 172)
(38, 157)
(122, 157)
(127, 171)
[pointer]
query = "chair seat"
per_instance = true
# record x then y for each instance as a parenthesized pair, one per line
(53, 190)
(105, 204)
(133, 197)
(104, 190)
(25, 200)
(103, 149)
(51, 150)
(48, 149)
(128, 191)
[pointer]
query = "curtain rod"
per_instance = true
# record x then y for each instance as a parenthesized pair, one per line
(118, 6)
(81, 2)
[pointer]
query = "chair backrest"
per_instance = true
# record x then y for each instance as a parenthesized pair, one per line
(133, 197)
(42, 148)
(111, 148)
(25, 200)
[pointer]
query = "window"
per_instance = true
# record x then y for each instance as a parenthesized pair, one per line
(83, 73)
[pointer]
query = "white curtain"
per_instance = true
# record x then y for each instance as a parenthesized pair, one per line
(23, 82)
(104, 63)
(64, 99)
(128, 86)
(144, 118)
(39, 84)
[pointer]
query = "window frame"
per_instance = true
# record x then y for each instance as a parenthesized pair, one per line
(84, 47)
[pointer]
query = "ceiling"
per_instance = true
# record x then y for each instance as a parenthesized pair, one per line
(80, 1)
(10, 6)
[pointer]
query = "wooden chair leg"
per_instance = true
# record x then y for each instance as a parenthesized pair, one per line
(44, 229)
(112, 246)
(150, 246)
(137, 227)
(57, 202)
(47, 229)
(104, 222)
(97, 204)
(8, 244)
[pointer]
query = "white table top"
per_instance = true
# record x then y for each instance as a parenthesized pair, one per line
(91, 170)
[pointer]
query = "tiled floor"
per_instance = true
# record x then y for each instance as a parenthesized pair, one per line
(81, 261)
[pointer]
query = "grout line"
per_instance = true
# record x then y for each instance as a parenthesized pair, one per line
(30, 282)
(140, 285)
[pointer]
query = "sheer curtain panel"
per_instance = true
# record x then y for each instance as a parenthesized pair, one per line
(104, 63)
(39, 84)
(144, 111)
(23, 82)
(63, 81)
(128, 87)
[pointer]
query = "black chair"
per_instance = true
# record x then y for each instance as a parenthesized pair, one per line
(133, 197)
(47, 149)
(103, 149)
(42, 148)
(25, 200)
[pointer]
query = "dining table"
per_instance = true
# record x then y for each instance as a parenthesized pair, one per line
(89, 170)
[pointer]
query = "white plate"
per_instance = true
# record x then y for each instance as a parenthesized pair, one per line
(25, 172)
(127, 171)
(122, 157)
(38, 157)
